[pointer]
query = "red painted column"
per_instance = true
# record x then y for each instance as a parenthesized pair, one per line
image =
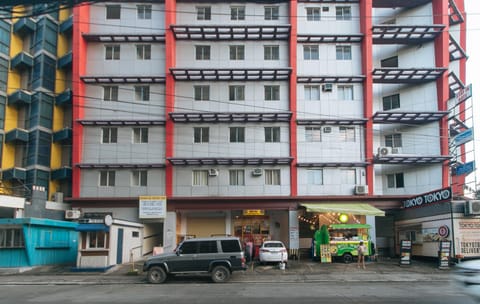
(442, 60)
(367, 68)
(170, 47)
(81, 24)
(293, 98)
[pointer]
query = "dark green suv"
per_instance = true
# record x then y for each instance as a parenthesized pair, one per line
(217, 256)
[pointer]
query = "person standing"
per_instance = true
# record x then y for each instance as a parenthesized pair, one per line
(361, 249)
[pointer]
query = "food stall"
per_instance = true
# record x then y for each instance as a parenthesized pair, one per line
(345, 238)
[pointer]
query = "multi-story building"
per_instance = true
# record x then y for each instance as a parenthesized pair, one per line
(257, 118)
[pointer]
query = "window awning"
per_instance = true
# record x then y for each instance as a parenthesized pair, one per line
(360, 209)
(92, 227)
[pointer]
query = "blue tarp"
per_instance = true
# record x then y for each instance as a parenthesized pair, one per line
(92, 227)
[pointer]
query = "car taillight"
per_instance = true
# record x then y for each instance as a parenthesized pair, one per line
(264, 250)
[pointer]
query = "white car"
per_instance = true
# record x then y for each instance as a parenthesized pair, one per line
(273, 251)
(467, 277)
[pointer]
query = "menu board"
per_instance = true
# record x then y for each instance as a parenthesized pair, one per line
(444, 254)
(405, 252)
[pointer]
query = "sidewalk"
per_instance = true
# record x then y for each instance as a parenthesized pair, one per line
(296, 271)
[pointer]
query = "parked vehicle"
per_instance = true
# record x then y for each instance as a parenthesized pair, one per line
(217, 256)
(273, 251)
(467, 277)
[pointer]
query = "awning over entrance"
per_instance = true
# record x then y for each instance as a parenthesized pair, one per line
(92, 227)
(360, 209)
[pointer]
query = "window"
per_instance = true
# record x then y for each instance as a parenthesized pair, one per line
(144, 11)
(236, 92)
(97, 239)
(107, 178)
(200, 134)
(312, 92)
(344, 52)
(237, 134)
(393, 140)
(310, 52)
(189, 248)
(395, 180)
(391, 62)
(144, 51)
(272, 134)
(272, 92)
(142, 93)
(207, 247)
(391, 102)
(112, 52)
(313, 14)
(110, 93)
(202, 52)
(200, 178)
(271, 12)
(139, 178)
(201, 92)
(237, 177)
(345, 92)
(109, 135)
(140, 135)
(113, 11)
(315, 176)
(237, 13)
(344, 12)
(271, 52)
(348, 177)
(204, 13)
(313, 134)
(11, 238)
(347, 134)
(272, 177)
(237, 52)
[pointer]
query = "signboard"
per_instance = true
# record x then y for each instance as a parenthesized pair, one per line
(252, 212)
(436, 196)
(463, 137)
(444, 254)
(466, 168)
(464, 94)
(467, 237)
(405, 252)
(152, 207)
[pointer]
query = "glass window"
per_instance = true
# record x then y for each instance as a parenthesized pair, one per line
(344, 12)
(272, 134)
(11, 238)
(139, 178)
(230, 246)
(142, 93)
(236, 92)
(313, 14)
(237, 13)
(391, 102)
(237, 177)
(110, 93)
(395, 180)
(109, 135)
(272, 176)
(393, 140)
(144, 11)
(347, 134)
(272, 92)
(344, 52)
(345, 92)
(391, 62)
(207, 247)
(271, 52)
(189, 247)
(312, 92)
(204, 13)
(202, 52)
(201, 92)
(237, 52)
(112, 52)
(200, 178)
(97, 239)
(4, 37)
(4, 68)
(310, 52)
(313, 134)
(271, 12)
(144, 51)
(140, 135)
(201, 134)
(315, 176)
(348, 177)
(107, 178)
(113, 11)
(237, 134)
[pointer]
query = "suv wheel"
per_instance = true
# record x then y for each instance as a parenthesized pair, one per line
(156, 275)
(220, 274)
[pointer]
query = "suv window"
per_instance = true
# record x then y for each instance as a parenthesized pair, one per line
(189, 248)
(230, 246)
(208, 247)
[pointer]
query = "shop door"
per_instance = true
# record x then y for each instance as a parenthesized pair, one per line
(120, 246)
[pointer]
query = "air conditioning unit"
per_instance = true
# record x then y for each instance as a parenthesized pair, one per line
(361, 189)
(213, 172)
(57, 197)
(72, 214)
(396, 150)
(383, 151)
(257, 172)
(472, 207)
(327, 129)
(327, 87)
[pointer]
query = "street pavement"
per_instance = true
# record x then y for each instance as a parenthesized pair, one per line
(385, 270)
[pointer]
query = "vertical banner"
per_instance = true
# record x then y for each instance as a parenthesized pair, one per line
(405, 252)
(444, 254)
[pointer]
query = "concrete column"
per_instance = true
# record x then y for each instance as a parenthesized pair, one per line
(169, 232)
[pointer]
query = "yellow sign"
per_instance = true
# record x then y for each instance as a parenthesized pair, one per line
(254, 212)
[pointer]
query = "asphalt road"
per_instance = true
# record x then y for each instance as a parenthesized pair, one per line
(201, 291)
